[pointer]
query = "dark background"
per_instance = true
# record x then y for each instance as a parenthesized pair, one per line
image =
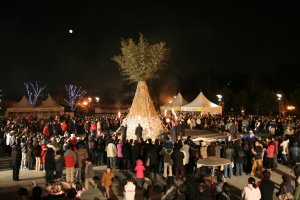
(215, 47)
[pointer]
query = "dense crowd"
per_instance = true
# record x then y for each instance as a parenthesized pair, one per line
(77, 144)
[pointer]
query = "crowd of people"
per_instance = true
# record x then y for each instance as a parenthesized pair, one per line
(77, 144)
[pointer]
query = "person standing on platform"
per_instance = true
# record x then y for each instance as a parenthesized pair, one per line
(16, 157)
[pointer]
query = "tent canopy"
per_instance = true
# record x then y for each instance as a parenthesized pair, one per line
(49, 105)
(202, 104)
(22, 105)
(47, 109)
(176, 103)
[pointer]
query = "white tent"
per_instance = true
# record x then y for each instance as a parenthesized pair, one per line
(23, 108)
(203, 105)
(50, 105)
(176, 104)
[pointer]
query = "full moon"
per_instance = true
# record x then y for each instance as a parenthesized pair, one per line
(70, 31)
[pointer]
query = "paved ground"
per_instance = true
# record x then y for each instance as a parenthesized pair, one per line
(8, 187)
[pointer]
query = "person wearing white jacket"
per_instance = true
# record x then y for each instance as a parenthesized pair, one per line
(111, 151)
(185, 149)
(251, 191)
(129, 190)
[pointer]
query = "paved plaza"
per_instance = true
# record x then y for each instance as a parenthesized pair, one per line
(8, 188)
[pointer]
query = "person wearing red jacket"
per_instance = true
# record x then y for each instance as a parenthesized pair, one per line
(270, 155)
(46, 131)
(70, 160)
(64, 127)
(93, 128)
(43, 152)
(139, 173)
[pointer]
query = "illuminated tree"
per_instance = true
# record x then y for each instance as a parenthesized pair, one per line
(140, 62)
(75, 94)
(34, 92)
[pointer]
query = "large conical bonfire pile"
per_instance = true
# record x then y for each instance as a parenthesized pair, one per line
(140, 62)
(143, 112)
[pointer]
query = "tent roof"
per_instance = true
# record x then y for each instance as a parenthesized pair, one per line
(23, 103)
(177, 102)
(201, 101)
(49, 103)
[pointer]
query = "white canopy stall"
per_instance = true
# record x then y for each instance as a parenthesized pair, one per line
(203, 105)
(23, 108)
(176, 104)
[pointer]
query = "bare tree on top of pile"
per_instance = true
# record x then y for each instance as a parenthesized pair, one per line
(139, 62)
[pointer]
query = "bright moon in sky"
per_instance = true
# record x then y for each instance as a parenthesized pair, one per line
(70, 31)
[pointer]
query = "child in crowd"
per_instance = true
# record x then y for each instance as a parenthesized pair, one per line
(139, 169)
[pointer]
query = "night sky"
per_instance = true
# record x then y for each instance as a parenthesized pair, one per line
(240, 38)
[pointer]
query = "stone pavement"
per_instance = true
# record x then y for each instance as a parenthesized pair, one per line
(8, 187)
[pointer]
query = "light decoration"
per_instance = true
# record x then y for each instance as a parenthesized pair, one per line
(119, 114)
(97, 99)
(85, 103)
(168, 120)
(75, 94)
(34, 92)
(90, 99)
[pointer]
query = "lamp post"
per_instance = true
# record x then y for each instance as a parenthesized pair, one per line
(280, 106)
(221, 103)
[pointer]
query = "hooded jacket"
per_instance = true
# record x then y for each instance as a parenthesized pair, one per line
(139, 169)
(129, 191)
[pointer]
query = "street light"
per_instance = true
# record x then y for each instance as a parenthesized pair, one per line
(219, 97)
(290, 108)
(279, 96)
(280, 103)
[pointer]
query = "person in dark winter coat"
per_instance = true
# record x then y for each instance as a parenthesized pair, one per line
(191, 190)
(239, 158)
(178, 157)
(29, 156)
(138, 132)
(286, 186)
(126, 151)
(136, 152)
(59, 165)
(16, 157)
(266, 186)
(228, 153)
(153, 157)
(37, 155)
(49, 163)
(124, 131)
